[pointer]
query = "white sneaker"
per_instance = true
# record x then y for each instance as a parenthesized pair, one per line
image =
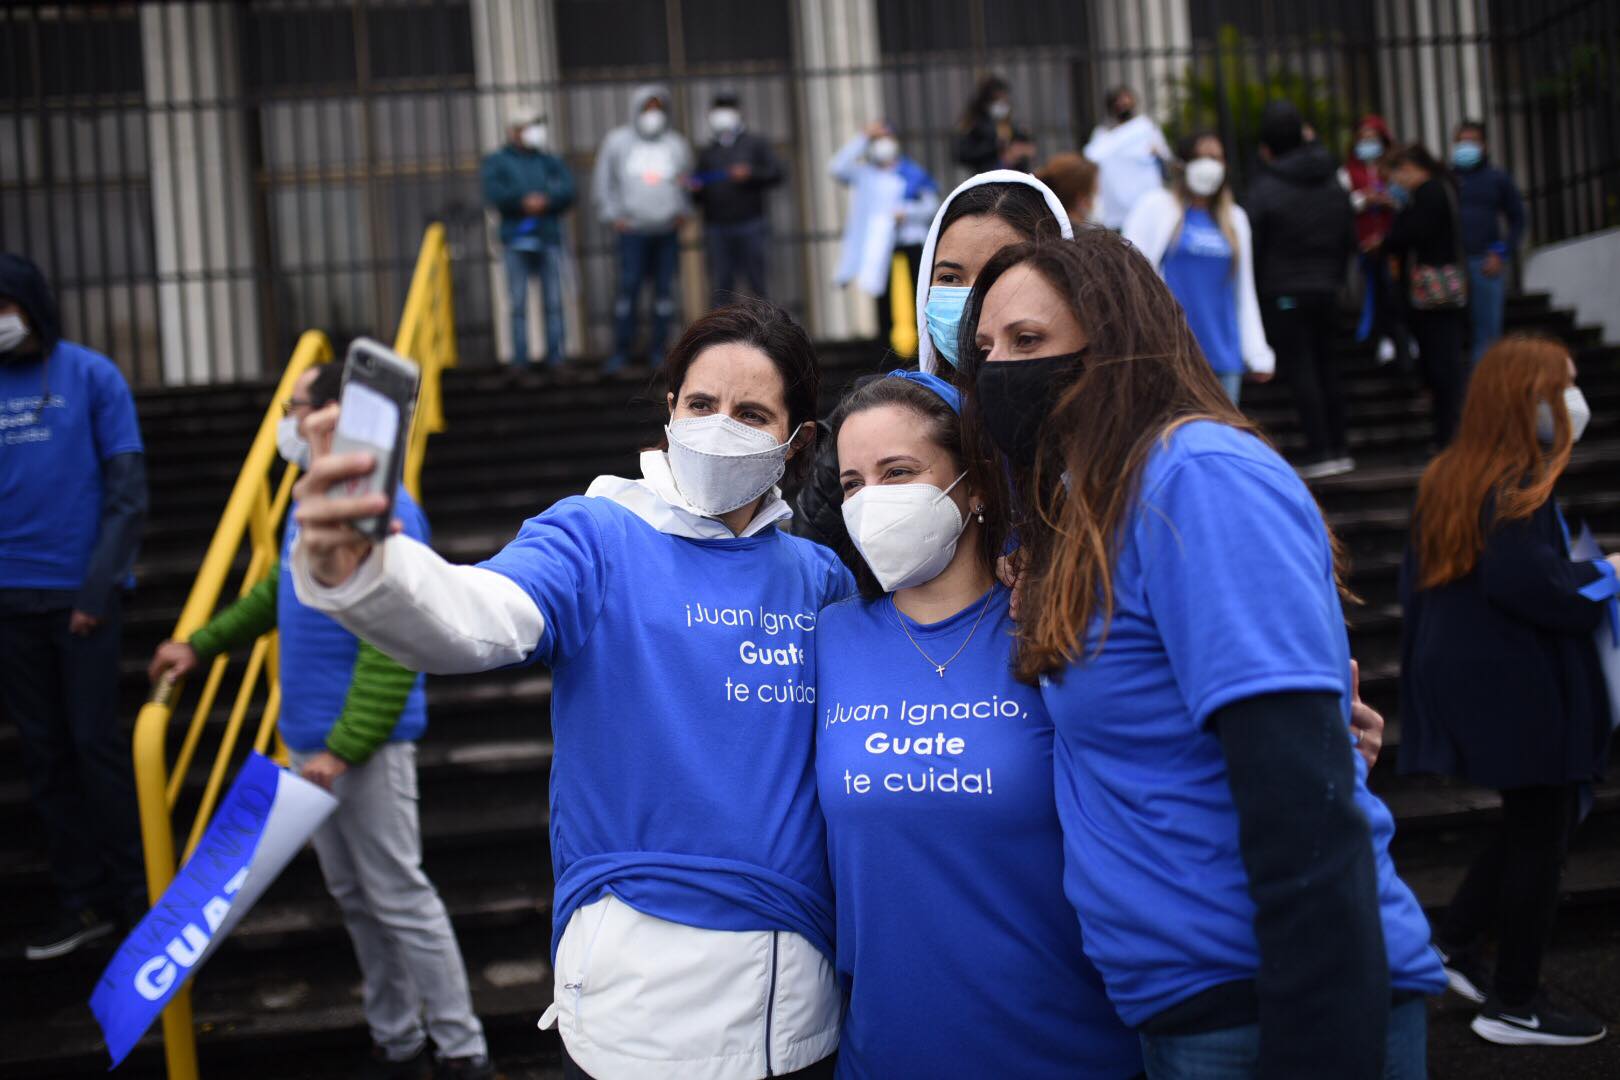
(1386, 351)
(1315, 470)
(1340, 465)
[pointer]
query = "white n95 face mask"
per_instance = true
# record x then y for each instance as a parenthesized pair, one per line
(1580, 414)
(292, 446)
(652, 123)
(536, 137)
(907, 533)
(1204, 176)
(720, 464)
(13, 332)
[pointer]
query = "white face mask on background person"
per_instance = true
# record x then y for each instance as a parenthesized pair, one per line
(1205, 176)
(720, 464)
(724, 120)
(293, 447)
(652, 122)
(1580, 414)
(1000, 109)
(535, 136)
(13, 332)
(884, 150)
(907, 533)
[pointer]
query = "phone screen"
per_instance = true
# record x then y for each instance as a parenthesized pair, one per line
(367, 421)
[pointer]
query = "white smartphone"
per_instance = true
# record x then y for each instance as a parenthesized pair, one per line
(378, 397)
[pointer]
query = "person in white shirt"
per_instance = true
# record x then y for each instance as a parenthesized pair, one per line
(1130, 153)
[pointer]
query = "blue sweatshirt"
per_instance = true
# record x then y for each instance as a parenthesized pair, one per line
(683, 713)
(509, 174)
(1486, 196)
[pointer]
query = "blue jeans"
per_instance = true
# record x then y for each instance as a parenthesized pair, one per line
(521, 263)
(643, 258)
(1232, 383)
(1487, 296)
(736, 250)
(1234, 1053)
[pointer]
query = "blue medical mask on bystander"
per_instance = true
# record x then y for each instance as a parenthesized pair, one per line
(1369, 150)
(1399, 193)
(1466, 155)
(943, 313)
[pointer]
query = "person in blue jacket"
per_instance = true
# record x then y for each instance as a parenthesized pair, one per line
(531, 188)
(693, 915)
(1178, 606)
(955, 945)
(1501, 684)
(72, 505)
(1487, 198)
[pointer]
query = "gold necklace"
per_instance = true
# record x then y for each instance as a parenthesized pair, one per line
(939, 668)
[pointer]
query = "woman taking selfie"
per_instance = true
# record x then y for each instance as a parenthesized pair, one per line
(1179, 607)
(957, 949)
(693, 910)
(1501, 684)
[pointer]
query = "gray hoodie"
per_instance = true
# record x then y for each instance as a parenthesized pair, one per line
(642, 180)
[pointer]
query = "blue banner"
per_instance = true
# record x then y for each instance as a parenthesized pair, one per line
(199, 908)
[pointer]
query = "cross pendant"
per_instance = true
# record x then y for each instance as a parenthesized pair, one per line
(939, 669)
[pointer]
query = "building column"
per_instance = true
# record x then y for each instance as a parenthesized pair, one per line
(515, 64)
(201, 194)
(839, 38)
(1144, 46)
(1434, 70)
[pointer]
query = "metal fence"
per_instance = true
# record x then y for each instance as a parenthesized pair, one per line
(204, 181)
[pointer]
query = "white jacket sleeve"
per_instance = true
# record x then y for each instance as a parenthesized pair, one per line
(426, 613)
(1257, 355)
(1151, 223)
(845, 166)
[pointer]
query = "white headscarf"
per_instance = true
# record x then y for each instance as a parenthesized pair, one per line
(927, 358)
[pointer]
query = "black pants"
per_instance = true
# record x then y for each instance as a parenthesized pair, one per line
(736, 250)
(821, 1070)
(1513, 883)
(1439, 336)
(1300, 329)
(885, 303)
(62, 693)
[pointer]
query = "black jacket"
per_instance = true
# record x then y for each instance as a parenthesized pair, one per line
(1501, 684)
(1426, 227)
(980, 146)
(1304, 228)
(725, 201)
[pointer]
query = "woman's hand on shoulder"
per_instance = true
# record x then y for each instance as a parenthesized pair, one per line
(330, 542)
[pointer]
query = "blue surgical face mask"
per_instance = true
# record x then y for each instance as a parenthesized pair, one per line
(1399, 194)
(943, 313)
(1466, 155)
(1369, 150)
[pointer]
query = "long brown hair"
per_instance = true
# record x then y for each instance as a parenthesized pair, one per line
(1495, 456)
(1144, 376)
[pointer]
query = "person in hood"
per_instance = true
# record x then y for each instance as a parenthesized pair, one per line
(1131, 156)
(990, 138)
(351, 720)
(693, 917)
(892, 200)
(1363, 176)
(1201, 243)
(984, 214)
(531, 188)
(1304, 234)
(735, 171)
(72, 504)
(640, 187)
(1487, 198)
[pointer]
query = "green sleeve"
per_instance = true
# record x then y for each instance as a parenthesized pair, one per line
(377, 696)
(249, 618)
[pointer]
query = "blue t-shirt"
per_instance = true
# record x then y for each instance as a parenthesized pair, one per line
(318, 655)
(1223, 591)
(50, 462)
(959, 953)
(683, 714)
(1198, 270)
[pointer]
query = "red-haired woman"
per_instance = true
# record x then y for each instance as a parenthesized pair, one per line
(1501, 680)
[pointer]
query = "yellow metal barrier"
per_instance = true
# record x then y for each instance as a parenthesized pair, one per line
(253, 516)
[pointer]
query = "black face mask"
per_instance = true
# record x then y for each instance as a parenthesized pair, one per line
(1015, 397)
(1122, 115)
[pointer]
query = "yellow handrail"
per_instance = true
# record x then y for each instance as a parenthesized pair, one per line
(253, 515)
